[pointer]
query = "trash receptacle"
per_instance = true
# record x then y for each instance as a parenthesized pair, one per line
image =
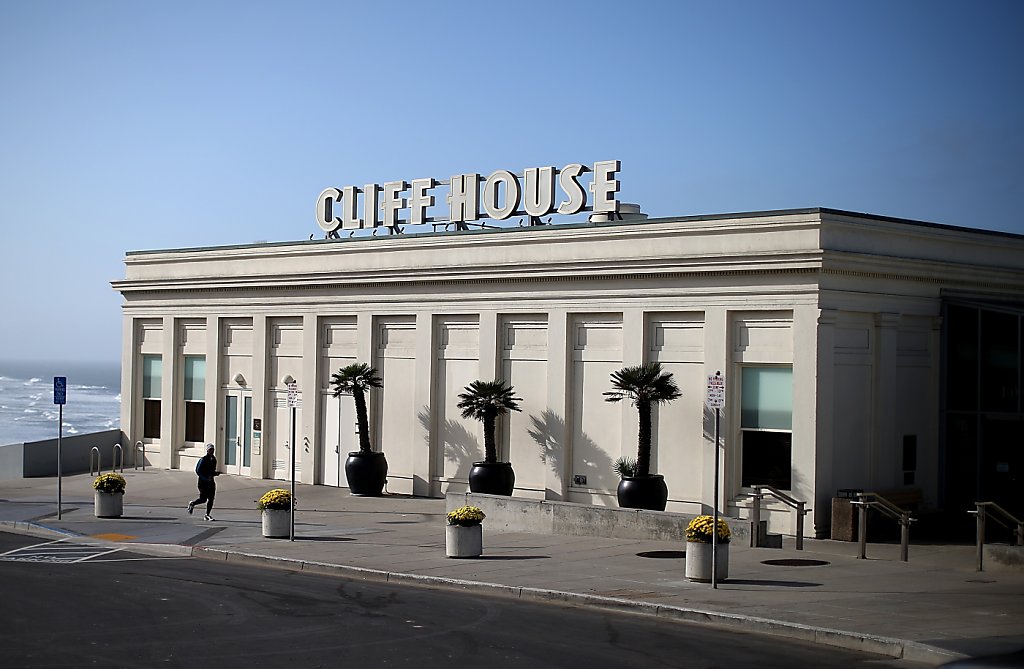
(844, 515)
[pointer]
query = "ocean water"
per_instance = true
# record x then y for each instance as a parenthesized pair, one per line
(27, 411)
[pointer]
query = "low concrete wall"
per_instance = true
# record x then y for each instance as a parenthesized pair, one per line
(39, 458)
(516, 514)
(1003, 556)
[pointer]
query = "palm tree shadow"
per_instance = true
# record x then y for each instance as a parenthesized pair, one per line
(548, 432)
(458, 444)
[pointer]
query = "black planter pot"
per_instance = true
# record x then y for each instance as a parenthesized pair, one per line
(643, 492)
(366, 473)
(492, 478)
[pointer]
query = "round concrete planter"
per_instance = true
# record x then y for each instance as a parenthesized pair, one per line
(277, 523)
(463, 542)
(698, 561)
(108, 504)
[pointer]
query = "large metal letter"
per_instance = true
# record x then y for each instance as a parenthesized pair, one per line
(568, 180)
(539, 196)
(325, 217)
(392, 201)
(371, 198)
(463, 198)
(605, 186)
(349, 220)
(420, 201)
(491, 192)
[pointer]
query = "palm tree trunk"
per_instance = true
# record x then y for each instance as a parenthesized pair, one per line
(643, 455)
(490, 452)
(364, 426)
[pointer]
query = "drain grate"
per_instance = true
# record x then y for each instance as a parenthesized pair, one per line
(796, 562)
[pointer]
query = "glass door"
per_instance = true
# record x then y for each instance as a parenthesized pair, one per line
(238, 432)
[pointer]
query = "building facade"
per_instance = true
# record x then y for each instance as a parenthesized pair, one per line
(859, 352)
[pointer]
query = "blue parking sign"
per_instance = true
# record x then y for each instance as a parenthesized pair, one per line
(60, 390)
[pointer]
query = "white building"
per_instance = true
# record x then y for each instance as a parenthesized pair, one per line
(859, 352)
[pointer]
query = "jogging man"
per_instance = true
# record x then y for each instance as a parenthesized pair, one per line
(206, 469)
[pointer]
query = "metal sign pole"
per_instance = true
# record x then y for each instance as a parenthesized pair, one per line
(60, 434)
(60, 397)
(714, 530)
(715, 399)
(291, 531)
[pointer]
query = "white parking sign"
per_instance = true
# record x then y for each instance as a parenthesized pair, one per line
(716, 391)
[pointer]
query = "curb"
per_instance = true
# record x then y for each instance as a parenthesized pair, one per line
(869, 643)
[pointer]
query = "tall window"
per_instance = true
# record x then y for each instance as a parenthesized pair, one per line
(195, 397)
(766, 423)
(152, 376)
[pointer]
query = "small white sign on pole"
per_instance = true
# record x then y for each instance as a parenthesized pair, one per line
(293, 395)
(716, 391)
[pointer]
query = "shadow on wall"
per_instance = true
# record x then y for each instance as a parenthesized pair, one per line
(459, 445)
(594, 464)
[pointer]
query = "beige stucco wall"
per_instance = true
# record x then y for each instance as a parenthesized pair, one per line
(852, 303)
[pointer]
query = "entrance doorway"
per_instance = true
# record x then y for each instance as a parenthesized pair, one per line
(238, 432)
(340, 436)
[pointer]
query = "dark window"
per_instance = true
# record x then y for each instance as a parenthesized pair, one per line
(151, 419)
(766, 420)
(767, 458)
(195, 419)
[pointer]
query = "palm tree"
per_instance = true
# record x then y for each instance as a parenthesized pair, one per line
(643, 385)
(356, 379)
(485, 401)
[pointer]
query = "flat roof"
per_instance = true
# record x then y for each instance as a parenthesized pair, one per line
(586, 224)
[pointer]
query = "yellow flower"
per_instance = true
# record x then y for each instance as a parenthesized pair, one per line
(700, 528)
(110, 482)
(466, 516)
(278, 498)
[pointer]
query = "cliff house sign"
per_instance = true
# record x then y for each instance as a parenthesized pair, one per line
(470, 198)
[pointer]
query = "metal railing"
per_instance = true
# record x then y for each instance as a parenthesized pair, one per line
(866, 500)
(981, 514)
(139, 448)
(114, 459)
(755, 513)
(99, 467)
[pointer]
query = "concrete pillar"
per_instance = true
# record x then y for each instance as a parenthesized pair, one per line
(559, 403)
(424, 443)
(170, 436)
(718, 358)
(261, 407)
(308, 432)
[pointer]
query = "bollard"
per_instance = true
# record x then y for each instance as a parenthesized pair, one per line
(862, 529)
(755, 519)
(979, 545)
(904, 537)
(800, 526)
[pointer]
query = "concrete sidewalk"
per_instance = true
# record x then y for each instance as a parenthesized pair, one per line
(934, 608)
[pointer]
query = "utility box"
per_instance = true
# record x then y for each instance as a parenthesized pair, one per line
(844, 515)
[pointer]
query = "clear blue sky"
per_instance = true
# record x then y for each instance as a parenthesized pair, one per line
(141, 125)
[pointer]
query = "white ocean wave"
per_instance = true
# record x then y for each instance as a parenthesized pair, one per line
(29, 411)
(34, 379)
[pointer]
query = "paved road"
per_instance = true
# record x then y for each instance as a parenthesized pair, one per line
(90, 603)
(934, 608)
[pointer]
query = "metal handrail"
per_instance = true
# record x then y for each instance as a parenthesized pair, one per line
(114, 452)
(99, 465)
(139, 446)
(755, 513)
(873, 499)
(981, 514)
